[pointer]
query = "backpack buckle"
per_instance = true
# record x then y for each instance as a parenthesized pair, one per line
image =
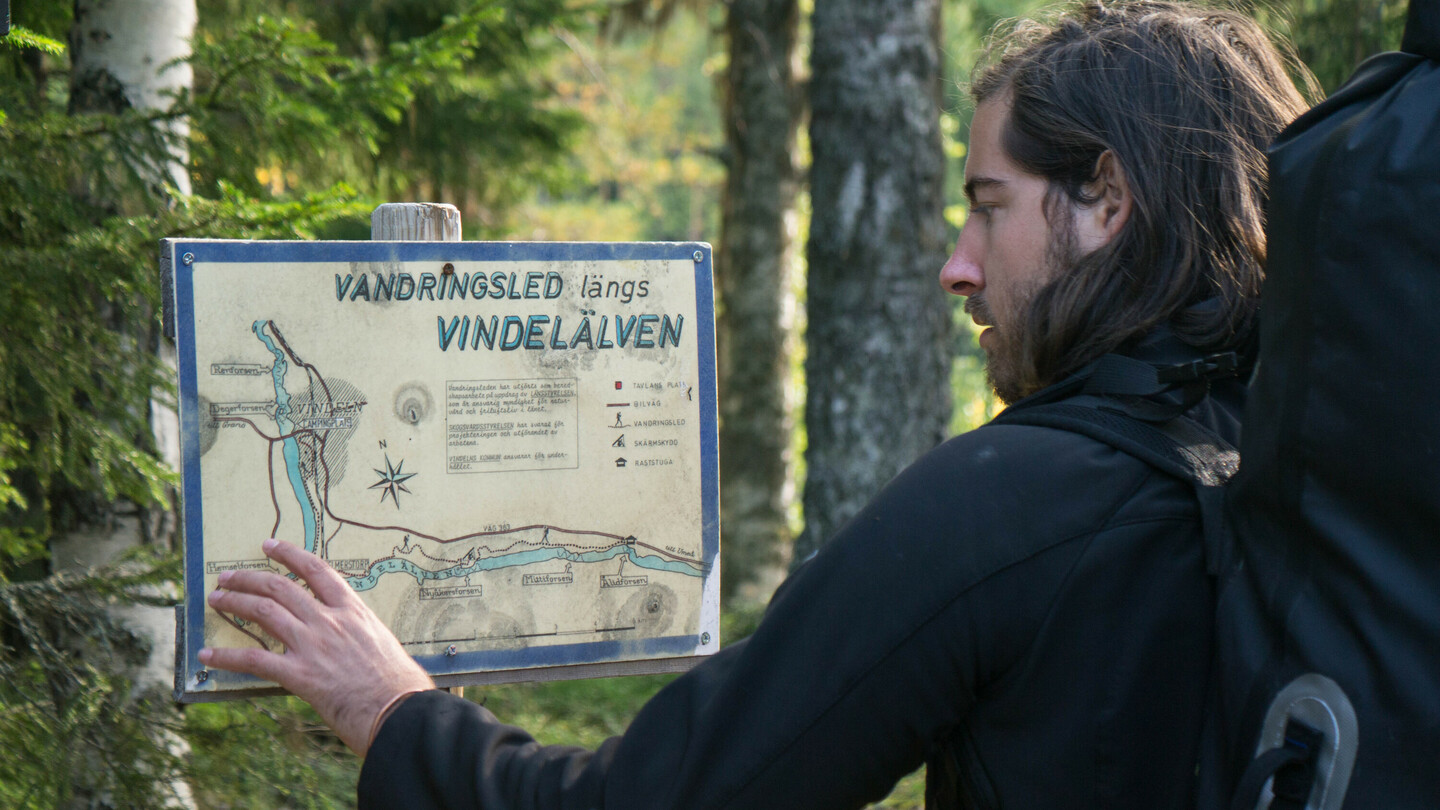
(1209, 367)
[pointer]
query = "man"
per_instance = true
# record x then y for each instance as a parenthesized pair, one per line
(1025, 609)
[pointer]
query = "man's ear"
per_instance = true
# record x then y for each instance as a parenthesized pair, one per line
(1101, 221)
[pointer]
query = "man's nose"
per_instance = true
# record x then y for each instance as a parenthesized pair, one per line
(961, 275)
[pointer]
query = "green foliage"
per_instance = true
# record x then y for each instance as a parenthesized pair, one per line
(293, 136)
(287, 132)
(79, 295)
(584, 713)
(70, 381)
(23, 38)
(1332, 37)
(651, 168)
(273, 753)
(63, 709)
(445, 101)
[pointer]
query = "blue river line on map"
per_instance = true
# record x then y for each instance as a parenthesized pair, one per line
(291, 448)
(291, 453)
(394, 565)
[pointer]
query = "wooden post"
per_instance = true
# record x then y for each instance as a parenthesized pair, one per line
(417, 222)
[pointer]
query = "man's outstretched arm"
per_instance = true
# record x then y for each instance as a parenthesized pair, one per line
(866, 662)
(338, 656)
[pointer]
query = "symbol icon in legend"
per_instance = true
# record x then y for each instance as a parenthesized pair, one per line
(620, 442)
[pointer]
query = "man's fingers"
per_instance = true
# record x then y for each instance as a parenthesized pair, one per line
(270, 585)
(272, 616)
(324, 582)
(252, 660)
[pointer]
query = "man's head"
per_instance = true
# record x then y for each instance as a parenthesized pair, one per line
(1116, 177)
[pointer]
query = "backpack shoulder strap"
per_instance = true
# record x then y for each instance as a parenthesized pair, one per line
(1179, 447)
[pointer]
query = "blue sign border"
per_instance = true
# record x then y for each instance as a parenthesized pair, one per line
(182, 254)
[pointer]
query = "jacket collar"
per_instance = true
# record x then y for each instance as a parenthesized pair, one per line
(1160, 348)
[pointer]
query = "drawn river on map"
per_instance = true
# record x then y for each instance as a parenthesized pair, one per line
(473, 561)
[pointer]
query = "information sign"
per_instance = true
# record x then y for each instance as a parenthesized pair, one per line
(507, 449)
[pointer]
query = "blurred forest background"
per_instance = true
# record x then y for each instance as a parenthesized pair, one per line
(818, 145)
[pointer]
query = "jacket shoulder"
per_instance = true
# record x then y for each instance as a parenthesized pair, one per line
(1000, 494)
(1024, 476)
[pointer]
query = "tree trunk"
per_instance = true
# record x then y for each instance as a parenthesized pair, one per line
(878, 363)
(755, 273)
(121, 58)
(121, 54)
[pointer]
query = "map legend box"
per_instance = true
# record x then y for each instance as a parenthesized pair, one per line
(505, 425)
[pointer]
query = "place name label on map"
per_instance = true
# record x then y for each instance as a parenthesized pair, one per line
(547, 579)
(506, 425)
(325, 423)
(239, 369)
(619, 581)
(457, 592)
(352, 566)
(216, 566)
(240, 408)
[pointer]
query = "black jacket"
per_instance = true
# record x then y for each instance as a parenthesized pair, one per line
(1025, 609)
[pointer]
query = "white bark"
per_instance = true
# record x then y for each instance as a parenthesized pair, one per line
(124, 55)
(130, 47)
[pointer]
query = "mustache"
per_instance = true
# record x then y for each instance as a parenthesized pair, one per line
(979, 311)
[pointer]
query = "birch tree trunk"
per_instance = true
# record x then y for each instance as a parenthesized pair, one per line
(755, 268)
(121, 58)
(878, 363)
(122, 55)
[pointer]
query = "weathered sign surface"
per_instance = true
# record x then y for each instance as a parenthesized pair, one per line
(508, 449)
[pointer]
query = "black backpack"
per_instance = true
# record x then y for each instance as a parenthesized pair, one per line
(1326, 546)
(1328, 622)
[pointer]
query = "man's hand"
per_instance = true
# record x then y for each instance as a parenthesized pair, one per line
(338, 657)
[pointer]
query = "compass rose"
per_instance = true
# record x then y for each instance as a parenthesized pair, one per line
(392, 481)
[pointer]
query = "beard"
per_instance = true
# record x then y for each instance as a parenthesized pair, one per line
(1003, 355)
(1007, 367)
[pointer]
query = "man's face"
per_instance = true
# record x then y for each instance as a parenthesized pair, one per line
(1007, 249)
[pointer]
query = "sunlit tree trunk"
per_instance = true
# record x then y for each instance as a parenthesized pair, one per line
(878, 361)
(123, 57)
(755, 273)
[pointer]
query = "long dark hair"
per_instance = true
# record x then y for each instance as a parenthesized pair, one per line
(1186, 98)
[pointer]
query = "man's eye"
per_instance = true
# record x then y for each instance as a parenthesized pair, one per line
(981, 209)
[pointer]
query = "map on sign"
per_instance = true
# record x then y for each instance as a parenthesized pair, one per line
(508, 450)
